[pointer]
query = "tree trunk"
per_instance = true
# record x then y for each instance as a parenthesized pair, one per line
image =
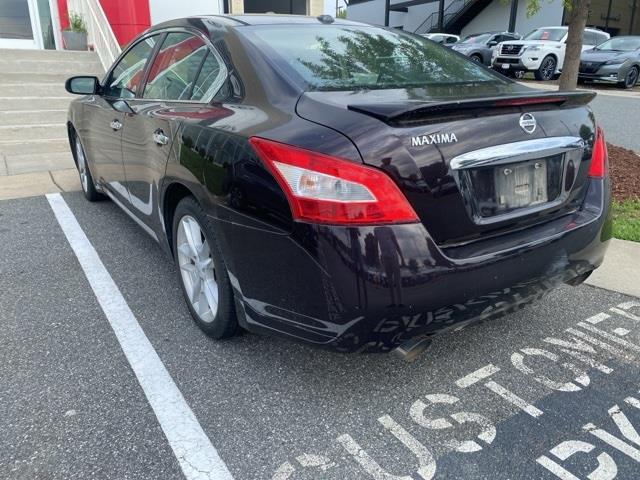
(577, 21)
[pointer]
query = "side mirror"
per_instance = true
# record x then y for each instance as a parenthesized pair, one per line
(84, 85)
(492, 43)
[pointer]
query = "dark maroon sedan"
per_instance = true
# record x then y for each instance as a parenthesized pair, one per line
(341, 184)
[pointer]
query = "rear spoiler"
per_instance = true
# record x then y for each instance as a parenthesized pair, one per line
(398, 112)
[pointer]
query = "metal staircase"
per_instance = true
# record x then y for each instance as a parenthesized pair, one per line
(455, 16)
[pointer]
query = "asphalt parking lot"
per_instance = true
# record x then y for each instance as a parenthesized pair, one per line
(549, 392)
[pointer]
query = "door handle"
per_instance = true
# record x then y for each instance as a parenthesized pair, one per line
(160, 138)
(116, 125)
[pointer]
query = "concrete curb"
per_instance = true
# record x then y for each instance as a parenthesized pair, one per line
(620, 271)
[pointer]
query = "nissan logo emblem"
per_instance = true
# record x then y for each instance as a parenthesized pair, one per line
(528, 122)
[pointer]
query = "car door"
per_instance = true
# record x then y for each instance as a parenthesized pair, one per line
(174, 90)
(105, 117)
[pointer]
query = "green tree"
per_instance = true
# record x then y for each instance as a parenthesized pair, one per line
(577, 13)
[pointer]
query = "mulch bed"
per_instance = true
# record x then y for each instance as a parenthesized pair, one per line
(624, 168)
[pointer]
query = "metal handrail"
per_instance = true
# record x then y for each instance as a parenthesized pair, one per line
(99, 31)
(432, 20)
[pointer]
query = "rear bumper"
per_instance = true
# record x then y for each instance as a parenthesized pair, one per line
(372, 288)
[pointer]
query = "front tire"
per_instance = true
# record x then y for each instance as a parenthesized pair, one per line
(86, 179)
(631, 79)
(202, 272)
(476, 58)
(547, 69)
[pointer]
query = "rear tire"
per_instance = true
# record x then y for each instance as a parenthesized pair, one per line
(547, 69)
(86, 179)
(202, 272)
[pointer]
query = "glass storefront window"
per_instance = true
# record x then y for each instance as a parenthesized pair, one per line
(617, 17)
(46, 24)
(15, 22)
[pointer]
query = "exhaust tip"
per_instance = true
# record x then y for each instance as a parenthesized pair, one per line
(412, 348)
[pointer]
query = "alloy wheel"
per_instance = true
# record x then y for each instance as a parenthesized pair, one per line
(548, 68)
(82, 166)
(196, 268)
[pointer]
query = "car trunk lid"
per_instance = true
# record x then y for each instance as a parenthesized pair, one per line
(464, 157)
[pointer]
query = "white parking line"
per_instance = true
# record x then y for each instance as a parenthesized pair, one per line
(196, 455)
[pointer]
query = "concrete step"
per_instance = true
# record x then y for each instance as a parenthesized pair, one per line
(36, 67)
(32, 117)
(38, 162)
(34, 89)
(24, 133)
(62, 55)
(13, 78)
(8, 149)
(9, 104)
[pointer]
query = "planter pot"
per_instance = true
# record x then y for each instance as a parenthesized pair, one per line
(75, 40)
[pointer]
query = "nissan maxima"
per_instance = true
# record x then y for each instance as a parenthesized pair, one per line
(340, 184)
(615, 61)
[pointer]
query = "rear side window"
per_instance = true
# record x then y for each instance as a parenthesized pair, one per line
(338, 57)
(175, 67)
(126, 76)
(589, 38)
(601, 38)
(209, 80)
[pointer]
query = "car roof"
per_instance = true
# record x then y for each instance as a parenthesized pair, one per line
(255, 19)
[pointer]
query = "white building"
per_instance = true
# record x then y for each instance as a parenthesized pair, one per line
(618, 17)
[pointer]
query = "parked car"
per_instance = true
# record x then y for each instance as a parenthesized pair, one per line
(479, 47)
(616, 61)
(445, 39)
(542, 51)
(341, 184)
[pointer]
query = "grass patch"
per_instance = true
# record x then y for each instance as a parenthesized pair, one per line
(626, 220)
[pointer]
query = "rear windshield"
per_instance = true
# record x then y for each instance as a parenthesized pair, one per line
(339, 57)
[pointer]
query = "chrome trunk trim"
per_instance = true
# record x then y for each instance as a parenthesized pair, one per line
(516, 152)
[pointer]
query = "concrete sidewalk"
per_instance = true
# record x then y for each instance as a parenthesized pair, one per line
(620, 271)
(38, 183)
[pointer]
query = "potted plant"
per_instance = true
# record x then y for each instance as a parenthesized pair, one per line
(75, 35)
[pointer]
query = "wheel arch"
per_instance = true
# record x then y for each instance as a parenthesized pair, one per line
(173, 193)
(71, 133)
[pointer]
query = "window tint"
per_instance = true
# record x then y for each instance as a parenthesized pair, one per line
(451, 40)
(339, 57)
(125, 77)
(175, 67)
(209, 79)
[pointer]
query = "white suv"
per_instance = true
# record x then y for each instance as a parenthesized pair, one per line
(541, 51)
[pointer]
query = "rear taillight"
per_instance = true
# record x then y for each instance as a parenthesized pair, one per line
(599, 158)
(325, 189)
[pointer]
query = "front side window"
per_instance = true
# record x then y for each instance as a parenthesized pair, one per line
(551, 34)
(175, 67)
(126, 76)
(338, 57)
